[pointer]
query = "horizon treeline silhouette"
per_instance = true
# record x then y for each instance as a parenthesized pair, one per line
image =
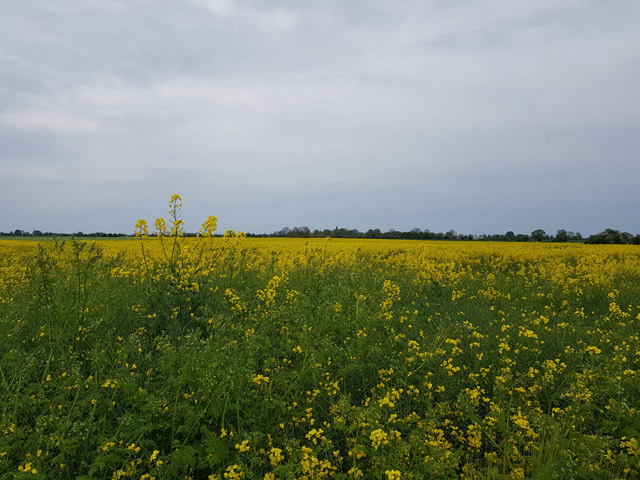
(607, 236)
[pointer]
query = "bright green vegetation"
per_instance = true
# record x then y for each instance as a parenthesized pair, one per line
(293, 359)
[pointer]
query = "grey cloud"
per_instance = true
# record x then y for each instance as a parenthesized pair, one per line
(365, 114)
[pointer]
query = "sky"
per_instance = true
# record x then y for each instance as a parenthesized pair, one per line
(480, 116)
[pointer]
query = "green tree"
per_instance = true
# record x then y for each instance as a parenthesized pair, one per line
(538, 235)
(610, 236)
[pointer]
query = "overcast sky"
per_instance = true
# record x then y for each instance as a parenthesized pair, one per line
(480, 116)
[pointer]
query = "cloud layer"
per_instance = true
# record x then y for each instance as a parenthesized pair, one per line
(478, 116)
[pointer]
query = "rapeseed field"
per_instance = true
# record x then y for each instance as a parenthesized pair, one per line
(236, 358)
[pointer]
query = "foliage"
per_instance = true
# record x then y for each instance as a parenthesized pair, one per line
(317, 358)
(538, 235)
(613, 237)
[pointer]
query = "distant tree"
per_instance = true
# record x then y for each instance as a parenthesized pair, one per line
(562, 236)
(283, 232)
(509, 236)
(612, 236)
(626, 238)
(538, 235)
(415, 233)
(300, 232)
(36, 233)
(608, 236)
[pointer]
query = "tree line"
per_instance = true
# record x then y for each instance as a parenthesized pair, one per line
(39, 233)
(608, 236)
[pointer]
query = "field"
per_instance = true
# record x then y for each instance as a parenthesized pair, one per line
(237, 358)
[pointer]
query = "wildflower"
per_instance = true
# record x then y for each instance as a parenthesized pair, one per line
(631, 444)
(355, 473)
(209, 226)
(275, 456)
(474, 436)
(161, 227)
(378, 437)
(258, 379)
(315, 435)
(141, 228)
(243, 447)
(233, 472)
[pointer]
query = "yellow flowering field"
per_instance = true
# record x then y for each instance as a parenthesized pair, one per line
(238, 358)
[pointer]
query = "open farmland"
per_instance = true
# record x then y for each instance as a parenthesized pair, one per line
(243, 358)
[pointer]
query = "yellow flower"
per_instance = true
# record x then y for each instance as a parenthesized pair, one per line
(393, 474)
(243, 447)
(233, 472)
(474, 436)
(315, 434)
(258, 379)
(154, 455)
(355, 473)
(161, 226)
(275, 456)
(378, 437)
(141, 228)
(209, 226)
